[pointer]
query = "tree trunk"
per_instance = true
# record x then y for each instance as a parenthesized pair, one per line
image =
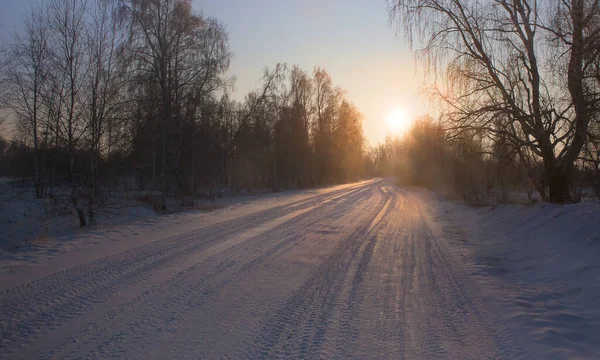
(78, 209)
(80, 212)
(558, 185)
(92, 191)
(36, 151)
(91, 211)
(164, 180)
(193, 165)
(36, 172)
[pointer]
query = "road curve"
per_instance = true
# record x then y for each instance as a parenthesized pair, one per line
(360, 272)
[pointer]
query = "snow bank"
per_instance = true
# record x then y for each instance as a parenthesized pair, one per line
(542, 262)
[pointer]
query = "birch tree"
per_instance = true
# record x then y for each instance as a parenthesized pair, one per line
(26, 77)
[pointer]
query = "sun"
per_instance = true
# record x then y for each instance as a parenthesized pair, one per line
(398, 121)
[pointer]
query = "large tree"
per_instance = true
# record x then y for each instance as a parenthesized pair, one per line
(104, 84)
(516, 69)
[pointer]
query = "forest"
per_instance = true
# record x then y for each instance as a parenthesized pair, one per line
(109, 95)
(112, 94)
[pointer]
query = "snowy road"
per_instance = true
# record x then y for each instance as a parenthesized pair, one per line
(361, 271)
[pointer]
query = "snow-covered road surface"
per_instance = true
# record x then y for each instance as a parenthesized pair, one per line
(361, 271)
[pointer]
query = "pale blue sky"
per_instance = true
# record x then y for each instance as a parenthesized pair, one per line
(351, 39)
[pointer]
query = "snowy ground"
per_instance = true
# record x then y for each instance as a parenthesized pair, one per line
(365, 270)
(34, 224)
(541, 263)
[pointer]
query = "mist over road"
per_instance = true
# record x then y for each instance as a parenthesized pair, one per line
(360, 271)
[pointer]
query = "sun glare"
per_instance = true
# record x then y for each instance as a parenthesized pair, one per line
(398, 121)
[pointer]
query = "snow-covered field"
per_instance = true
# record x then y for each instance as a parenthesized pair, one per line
(365, 270)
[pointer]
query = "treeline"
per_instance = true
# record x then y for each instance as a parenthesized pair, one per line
(518, 83)
(472, 168)
(107, 90)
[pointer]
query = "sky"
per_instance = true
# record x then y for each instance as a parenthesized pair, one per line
(352, 39)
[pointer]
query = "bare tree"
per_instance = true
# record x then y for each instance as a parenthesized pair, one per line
(26, 77)
(292, 132)
(104, 82)
(499, 58)
(327, 101)
(180, 57)
(250, 146)
(348, 143)
(67, 22)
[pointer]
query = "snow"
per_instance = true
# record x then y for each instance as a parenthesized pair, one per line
(541, 263)
(365, 270)
(132, 225)
(29, 222)
(25, 220)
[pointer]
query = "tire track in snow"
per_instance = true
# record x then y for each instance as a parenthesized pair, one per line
(378, 313)
(299, 327)
(443, 310)
(357, 273)
(197, 281)
(32, 309)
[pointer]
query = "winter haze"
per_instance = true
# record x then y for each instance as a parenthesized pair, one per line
(400, 179)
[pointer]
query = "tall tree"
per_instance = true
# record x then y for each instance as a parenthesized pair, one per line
(327, 100)
(26, 76)
(498, 58)
(348, 144)
(67, 22)
(104, 82)
(179, 57)
(292, 131)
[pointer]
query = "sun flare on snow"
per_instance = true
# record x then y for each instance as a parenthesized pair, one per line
(398, 121)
